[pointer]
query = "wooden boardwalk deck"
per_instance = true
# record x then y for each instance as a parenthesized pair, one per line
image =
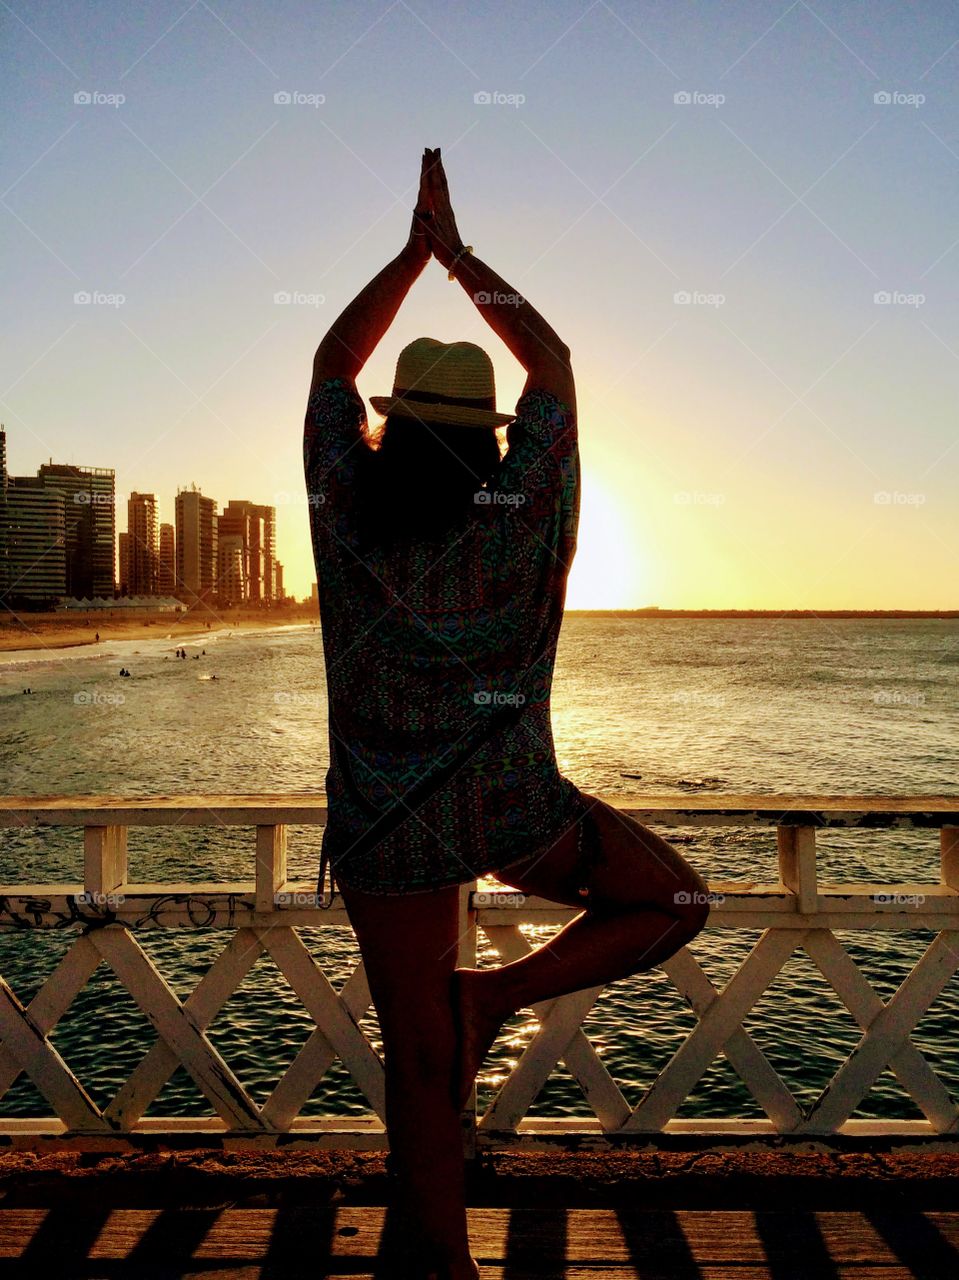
(295, 1242)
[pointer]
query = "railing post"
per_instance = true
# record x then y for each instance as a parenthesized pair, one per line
(466, 959)
(949, 856)
(797, 865)
(270, 864)
(104, 861)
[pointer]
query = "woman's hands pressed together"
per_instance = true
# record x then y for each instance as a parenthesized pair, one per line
(444, 235)
(357, 330)
(418, 245)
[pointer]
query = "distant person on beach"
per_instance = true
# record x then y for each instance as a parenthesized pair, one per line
(441, 570)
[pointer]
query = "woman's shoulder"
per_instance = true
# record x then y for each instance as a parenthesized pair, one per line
(540, 405)
(333, 394)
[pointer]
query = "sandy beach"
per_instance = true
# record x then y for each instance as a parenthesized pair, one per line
(66, 630)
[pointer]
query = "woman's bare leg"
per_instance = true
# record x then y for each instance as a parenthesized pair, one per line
(409, 948)
(647, 902)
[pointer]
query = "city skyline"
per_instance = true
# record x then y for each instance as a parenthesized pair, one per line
(740, 219)
(60, 538)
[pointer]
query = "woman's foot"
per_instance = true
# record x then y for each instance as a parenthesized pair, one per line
(477, 1026)
(469, 1271)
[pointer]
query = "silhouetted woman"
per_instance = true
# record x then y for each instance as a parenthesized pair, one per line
(441, 570)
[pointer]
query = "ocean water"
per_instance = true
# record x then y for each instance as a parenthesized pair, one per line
(836, 706)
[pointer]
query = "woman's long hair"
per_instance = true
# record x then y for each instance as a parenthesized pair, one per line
(420, 479)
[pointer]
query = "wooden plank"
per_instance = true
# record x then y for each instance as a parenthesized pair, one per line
(719, 1021)
(270, 864)
(581, 1241)
(34, 1054)
(887, 1034)
(312, 1062)
(104, 861)
(797, 865)
(232, 905)
(329, 1012)
(74, 970)
(911, 1068)
(666, 808)
(177, 1026)
(747, 1059)
(560, 1020)
(949, 856)
(361, 1133)
(210, 994)
(579, 1057)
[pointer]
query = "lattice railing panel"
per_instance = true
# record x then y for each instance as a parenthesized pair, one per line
(796, 916)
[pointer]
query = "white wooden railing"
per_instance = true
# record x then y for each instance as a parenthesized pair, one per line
(261, 915)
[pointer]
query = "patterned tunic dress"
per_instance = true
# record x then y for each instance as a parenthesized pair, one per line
(439, 658)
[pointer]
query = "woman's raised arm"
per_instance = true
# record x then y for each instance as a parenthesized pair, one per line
(355, 333)
(533, 342)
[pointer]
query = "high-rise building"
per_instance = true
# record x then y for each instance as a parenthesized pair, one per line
(256, 526)
(4, 563)
(231, 568)
(278, 582)
(89, 525)
(268, 515)
(237, 524)
(36, 542)
(143, 544)
(166, 574)
(123, 564)
(196, 545)
(57, 532)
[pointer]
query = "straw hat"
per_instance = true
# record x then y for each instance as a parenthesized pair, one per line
(444, 382)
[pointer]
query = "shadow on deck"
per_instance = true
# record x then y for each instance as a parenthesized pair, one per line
(658, 1216)
(511, 1244)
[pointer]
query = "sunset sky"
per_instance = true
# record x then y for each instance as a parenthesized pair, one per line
(786, 437)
